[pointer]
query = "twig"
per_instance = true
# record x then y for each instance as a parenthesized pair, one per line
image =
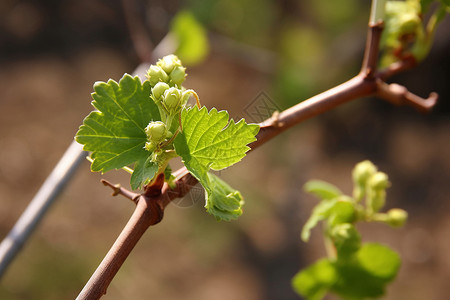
(118, 190)
(39, 205)
(399, 95)
(151, 205)
(149, 211)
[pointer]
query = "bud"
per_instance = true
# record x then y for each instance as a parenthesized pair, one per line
(169, 62)
(178, 75)
(397, 217)
(172, 100)
(156, 74)
(363, 171)
(378, 181)
(346, 239)
(343, 232)
(376, 199)
(159, 89)
(156, 132)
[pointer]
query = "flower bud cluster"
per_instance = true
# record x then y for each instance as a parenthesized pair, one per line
(156, 133)
(166, 79)
(170, 99)
(372, 183)
(168, 70)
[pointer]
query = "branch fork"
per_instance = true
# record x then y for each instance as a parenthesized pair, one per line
(151, 204)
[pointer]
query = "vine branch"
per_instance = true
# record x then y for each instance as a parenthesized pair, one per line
(151, 204)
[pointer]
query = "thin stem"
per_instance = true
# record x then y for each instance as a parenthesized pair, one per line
(330, 249)
(118, 190)
(377, 12)
(370, 60)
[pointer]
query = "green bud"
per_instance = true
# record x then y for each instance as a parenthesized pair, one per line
(376, 199)
(378, 181)
(346, 239)
(178, 75)
(169, 62)
(343, 231)
(172, 99)
(156, 132)
(159, 89)
(397, 217)
(363, 171)
(156, 74)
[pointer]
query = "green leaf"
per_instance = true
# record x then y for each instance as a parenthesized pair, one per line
(144, 170)
(115, 133)
(320, 212)
(315, 281)
(379, 260)
(346, 239)
(342, 212)
(222, 201)
(336, 211)
(211, 141)
(322, 189)
(367, 275)
(193, 46)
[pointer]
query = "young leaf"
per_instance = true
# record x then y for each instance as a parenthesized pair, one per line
(315, 281)
(222, 201)
(372, 268)
(211, 141)
(379, 260)
(192, 38)
(322, 189)
(115, 133)
(144, 169)
(320, 212)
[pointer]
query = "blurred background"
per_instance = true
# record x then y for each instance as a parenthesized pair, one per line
(260, 56)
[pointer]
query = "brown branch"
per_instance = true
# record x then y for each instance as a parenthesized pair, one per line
(354, 88)
(148, 212)
(150, 205)
(371, 51)
(399, 95)
(118, 190)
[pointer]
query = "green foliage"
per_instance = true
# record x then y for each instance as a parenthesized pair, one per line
(210, 140)
(193, 45)
(222, 201)
(353, 270)
(322, 189)
(139, 124)
(405, 33)
(362, 276)
(315, 281)
(115, 134)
